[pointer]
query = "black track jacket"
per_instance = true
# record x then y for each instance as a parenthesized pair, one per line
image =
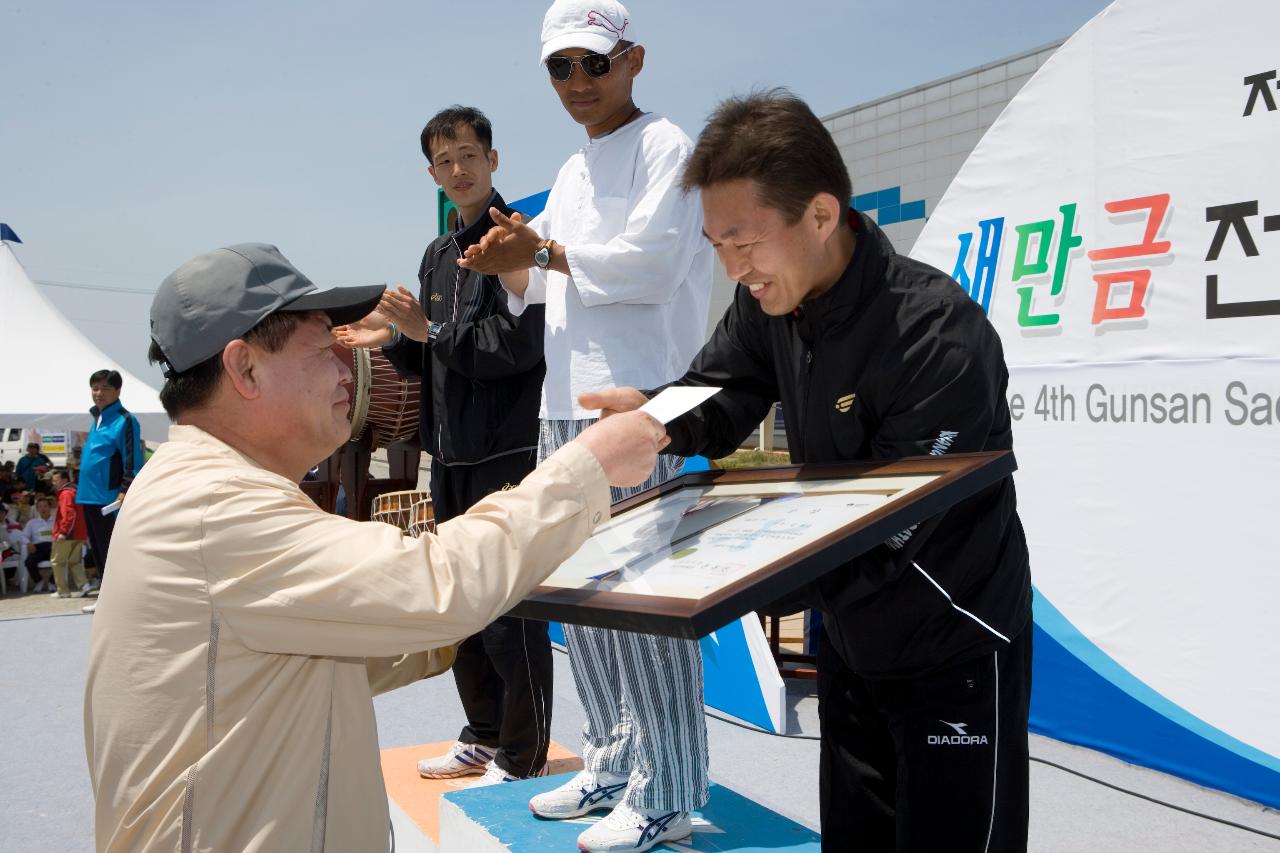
(482, 377)
(926, 374)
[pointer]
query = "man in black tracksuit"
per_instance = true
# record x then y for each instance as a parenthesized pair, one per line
(925, 667)
(482, 373)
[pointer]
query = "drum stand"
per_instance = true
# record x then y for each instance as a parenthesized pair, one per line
(324, 488)
(361, 489)
(349, 466)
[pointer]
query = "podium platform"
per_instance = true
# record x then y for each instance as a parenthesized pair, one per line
(414, 802)
(497, 819)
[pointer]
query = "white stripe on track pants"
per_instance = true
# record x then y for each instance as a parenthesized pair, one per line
(642, 693)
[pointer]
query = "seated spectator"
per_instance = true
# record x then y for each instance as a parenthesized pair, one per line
(11, 541)
(32, 465)
(39, 535)
(69, 536)
(20, 509)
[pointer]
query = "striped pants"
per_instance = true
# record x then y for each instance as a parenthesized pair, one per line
(642, 693)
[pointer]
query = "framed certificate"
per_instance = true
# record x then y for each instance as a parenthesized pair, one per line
(701, 550)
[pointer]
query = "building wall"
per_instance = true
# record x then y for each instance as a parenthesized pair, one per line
(904, 150)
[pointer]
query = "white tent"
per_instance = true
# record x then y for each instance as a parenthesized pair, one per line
(56, 396)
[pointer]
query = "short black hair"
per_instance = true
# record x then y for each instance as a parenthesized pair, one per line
(773, 139)
(193, 387)
(445, 124)
(111, 377)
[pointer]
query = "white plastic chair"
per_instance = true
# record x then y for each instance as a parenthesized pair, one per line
(17, 561)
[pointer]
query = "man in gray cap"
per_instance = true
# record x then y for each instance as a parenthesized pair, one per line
(234, 657)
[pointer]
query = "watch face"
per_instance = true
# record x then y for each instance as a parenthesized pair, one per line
(542, 257)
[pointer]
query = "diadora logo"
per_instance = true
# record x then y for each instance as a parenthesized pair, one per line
(600, 19)
(845, 403)
(960, 738)
(436, 297)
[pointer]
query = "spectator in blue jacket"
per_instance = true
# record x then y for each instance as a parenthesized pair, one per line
(111, 458)
(32, 465)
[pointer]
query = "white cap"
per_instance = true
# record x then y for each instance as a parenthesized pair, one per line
(594, 25)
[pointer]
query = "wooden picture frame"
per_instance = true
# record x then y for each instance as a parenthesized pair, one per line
(699, 551)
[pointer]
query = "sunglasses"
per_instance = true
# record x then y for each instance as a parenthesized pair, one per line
(593, 65)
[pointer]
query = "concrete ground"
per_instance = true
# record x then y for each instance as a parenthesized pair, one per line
(47, 802)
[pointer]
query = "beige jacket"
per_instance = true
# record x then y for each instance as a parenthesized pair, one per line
(228, 704)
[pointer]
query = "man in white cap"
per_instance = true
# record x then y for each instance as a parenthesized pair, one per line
(236, 650)
(619, 261)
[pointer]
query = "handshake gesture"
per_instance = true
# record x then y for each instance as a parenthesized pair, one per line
(626, 446)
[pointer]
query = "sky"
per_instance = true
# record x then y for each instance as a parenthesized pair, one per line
(135, 135)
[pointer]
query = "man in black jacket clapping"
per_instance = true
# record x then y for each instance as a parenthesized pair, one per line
(481, 371)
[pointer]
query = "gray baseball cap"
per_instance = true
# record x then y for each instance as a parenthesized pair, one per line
(217, 297)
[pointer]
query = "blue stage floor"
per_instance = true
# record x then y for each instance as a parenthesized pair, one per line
(729, 822)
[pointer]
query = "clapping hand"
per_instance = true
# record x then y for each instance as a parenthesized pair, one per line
(401, 307)
(508, 247)
(372, 331)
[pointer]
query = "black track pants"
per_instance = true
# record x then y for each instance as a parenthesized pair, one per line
(504, 673)
(929, 764)
(100, 530)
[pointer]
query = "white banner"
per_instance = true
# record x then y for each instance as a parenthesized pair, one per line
(1120, 222)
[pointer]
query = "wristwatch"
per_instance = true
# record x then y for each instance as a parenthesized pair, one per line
(433, 331)
(542, 257)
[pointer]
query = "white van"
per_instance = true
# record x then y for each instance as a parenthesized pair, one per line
(13, 445)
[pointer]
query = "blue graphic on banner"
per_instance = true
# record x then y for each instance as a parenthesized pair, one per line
(888, 207)
(731, 683)
(983, 282)
(696, 463)
(531, 205)
(1081, 695)
(7, 234)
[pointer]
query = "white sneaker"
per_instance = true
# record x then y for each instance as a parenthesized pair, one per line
(89, 608)
(635, 830)
(462, 759)
(495, 775)
(582, 794)
(56, 594)
(40, 586)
